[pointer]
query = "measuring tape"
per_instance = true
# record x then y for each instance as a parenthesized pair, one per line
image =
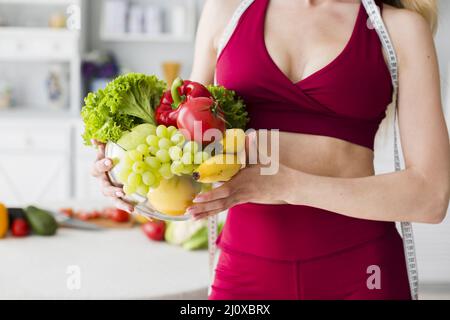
(406, 227)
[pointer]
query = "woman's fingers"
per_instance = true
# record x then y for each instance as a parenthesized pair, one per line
(123, 205)
(206, 214)
(112, 191)
(102, 166)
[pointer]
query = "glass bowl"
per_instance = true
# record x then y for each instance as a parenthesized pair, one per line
(142, 203)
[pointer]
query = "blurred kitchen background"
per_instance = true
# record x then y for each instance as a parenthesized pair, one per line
(51, 53)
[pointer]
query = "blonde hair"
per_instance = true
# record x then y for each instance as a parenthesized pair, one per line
(426, 8)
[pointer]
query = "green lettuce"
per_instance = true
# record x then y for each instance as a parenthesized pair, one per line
(127, 101)
(232, 106)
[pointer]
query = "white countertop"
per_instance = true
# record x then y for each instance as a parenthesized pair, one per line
(113, 264)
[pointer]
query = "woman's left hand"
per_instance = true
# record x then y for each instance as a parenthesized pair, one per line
(249, 185)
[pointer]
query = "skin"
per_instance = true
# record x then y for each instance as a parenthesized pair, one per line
(343, 181)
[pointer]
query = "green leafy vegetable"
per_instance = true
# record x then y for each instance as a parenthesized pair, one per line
(232, 106)
(126, 101)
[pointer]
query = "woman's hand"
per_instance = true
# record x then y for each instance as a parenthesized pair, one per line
(101, 166)
(247, 186)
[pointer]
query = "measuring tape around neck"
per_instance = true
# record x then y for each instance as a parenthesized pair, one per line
(406, 227)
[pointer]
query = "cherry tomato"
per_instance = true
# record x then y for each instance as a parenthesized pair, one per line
(67, 212)
(118, 215)
(20, 228)
(154, 230)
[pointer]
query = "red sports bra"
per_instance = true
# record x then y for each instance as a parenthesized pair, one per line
(347, 99)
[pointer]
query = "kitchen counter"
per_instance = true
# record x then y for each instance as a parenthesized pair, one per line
(112, 264)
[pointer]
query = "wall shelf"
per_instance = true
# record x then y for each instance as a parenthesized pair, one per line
(188, 37)
(40, 2)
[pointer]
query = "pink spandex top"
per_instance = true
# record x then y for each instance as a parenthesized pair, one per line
(347, 100)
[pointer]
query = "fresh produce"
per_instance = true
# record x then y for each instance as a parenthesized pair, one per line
(220, 168)
(4, 220)
(198, 115)
(20, 228)
(167, 111)
(162, 153)
(233, 107)
(191, 235)
(42, 222)
(233, 141)
(154, 230)
(126, 101)
(199, 240)
(118, 215)
(173, 196)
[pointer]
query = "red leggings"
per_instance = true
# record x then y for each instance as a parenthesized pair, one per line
(341, 275)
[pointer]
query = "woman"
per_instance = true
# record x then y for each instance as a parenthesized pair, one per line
(323, 226)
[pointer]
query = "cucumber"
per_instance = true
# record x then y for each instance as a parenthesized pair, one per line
(42, 222)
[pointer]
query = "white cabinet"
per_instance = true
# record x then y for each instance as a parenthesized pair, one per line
(86, 186)
(34, 163)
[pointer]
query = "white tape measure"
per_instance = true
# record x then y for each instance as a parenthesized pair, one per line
(406, 227)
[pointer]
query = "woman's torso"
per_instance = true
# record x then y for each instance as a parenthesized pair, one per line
(322, 137)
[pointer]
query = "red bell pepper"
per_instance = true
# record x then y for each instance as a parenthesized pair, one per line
(167, 111)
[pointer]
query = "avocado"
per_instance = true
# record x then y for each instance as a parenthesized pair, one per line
(42, 222)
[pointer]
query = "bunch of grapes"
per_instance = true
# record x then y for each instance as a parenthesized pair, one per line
(164, 153)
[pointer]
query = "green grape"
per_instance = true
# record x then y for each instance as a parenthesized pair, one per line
(153, 162)
(164, 143)
(139, 167)
(172, 130)
(135, 155)
(187, 158)
(148, 178)
(153, 150)
(191, 147)
(175, 153)
(129, 189)
(165, 171)
(177, 167)
(134, 179)
(152, 129)
(163, 155)
(201, 157)
(188, 169)
(126, 161)
(178, 139)
(123, 175)
(142, 190)
(152, 140)
(161, 131)
(142, 148)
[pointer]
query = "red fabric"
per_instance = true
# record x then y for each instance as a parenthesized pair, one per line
(339, 276)
(346, 99)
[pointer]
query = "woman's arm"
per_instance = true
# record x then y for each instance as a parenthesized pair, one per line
(214, 18)
(420, 193)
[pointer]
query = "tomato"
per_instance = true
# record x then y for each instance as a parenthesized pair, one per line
(67, 212)
(118, 215)
(200, 114)
(154, 230)
(20, 228)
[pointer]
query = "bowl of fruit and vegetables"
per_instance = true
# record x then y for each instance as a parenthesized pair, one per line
(158, 139)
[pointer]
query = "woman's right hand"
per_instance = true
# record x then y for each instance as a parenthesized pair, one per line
(100, 169)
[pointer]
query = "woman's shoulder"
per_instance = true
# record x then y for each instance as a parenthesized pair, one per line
(408, 29)
(218, 13)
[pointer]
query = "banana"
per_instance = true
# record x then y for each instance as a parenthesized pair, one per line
(220, 168)
(233, 141)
